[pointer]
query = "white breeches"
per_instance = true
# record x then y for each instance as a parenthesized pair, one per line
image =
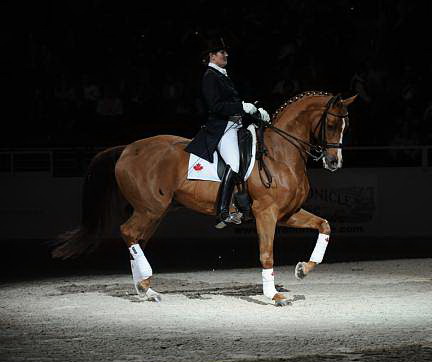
(228, 146)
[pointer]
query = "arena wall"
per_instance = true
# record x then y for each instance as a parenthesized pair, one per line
(375, 202)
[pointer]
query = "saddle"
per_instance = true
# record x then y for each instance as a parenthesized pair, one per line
(251, 148)
(201, 169)
(245, 144)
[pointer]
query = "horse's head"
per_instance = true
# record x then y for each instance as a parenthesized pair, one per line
(330, 129)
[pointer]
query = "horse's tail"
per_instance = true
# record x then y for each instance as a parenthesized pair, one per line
(99, 196)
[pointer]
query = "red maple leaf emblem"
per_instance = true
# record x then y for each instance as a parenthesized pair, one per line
(198, 167)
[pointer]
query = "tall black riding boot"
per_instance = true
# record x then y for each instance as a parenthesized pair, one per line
(226, 189)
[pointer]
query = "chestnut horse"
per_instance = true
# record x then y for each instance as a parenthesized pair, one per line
(151, 173)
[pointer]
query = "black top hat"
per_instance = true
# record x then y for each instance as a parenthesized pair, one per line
(210, 44)
(214, 45)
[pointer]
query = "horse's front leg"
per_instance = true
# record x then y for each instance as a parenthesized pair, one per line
(305, 219)
(266, 223)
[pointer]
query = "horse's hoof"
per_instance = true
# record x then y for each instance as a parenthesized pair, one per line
(282, 303)
(145, 292)
(280, 300)
(299, 271)
(140, 291)
(153, 296)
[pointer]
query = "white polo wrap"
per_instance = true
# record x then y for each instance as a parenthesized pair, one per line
(320, 248)
(269, 289)
(141, 268)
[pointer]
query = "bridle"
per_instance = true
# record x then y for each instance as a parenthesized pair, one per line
(322, 124)
(317, 150)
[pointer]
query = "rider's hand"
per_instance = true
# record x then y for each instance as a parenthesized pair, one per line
(264, 115)
(249, 108)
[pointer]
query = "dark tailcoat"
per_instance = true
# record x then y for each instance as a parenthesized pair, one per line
(222, 101)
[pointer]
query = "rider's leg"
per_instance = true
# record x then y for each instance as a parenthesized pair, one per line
(226, 189)
(228, 149)
(228, 146)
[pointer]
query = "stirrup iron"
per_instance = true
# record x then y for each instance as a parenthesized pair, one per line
(233, 218)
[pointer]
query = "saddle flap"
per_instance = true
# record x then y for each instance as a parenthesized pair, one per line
(221, 165)
(200, 169)
(245, 143)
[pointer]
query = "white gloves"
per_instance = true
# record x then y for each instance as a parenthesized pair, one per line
(264, 115)
(249, 108)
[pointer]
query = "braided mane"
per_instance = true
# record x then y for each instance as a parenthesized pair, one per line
(294, 99)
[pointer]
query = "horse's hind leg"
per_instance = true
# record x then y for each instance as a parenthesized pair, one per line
(138, 229)
(305, 219)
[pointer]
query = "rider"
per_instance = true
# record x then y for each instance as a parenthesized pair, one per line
(225, 110)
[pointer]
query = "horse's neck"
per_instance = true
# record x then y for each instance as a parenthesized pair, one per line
(297, 121)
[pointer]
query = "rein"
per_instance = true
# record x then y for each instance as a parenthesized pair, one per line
(316, 151)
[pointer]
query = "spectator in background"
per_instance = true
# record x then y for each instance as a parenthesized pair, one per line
(109, 111)
(89, 94)
(65, 105)
(427, 124)
(286, 87)
(301, 52)
(287, 54)
(409, 87)
(359, 85)
(110, 105)
(361, 110)
(137, 102)
(405, 136)
(172, 92)
(427, 115)
(381, 99)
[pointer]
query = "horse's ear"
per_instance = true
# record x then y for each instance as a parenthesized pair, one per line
(349, 100)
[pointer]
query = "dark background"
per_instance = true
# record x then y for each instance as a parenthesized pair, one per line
(101, 73)
(110, 72)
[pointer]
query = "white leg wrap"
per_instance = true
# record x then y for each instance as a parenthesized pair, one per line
(141, 268)
(269, 289)
(320, 248)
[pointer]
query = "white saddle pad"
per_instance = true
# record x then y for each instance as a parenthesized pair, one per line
(200, 169)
